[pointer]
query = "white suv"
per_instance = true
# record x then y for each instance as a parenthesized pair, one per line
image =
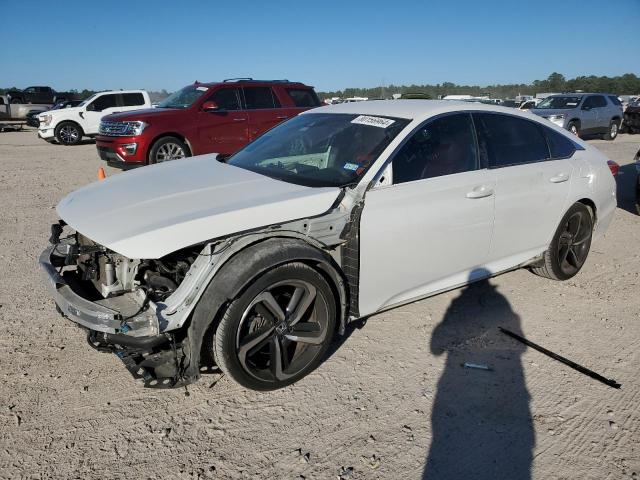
(69, 125)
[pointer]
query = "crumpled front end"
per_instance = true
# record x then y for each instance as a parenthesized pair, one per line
(112, 298)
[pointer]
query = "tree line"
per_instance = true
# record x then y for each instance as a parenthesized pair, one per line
(627, 84)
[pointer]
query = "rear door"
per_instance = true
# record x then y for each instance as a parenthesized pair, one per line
(531, 188)
(431, 227)
(602, 115)
(225, 130)
(264, 110)
(102, 105)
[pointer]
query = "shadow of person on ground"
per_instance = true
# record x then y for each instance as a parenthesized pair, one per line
(481, 422)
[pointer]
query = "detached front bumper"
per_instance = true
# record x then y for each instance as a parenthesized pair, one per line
(128, 321)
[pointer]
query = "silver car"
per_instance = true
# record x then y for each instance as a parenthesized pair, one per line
(583, 113)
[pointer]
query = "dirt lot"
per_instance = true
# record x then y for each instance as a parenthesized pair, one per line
(390, 401)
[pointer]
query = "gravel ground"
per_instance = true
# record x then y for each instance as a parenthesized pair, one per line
(391, 401)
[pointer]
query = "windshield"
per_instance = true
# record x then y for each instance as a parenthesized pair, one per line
(320, 149)
(559, 102)
(183, 98)
(87, 100)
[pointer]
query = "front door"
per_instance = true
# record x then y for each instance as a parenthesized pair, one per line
(428, 230)
(98, 108)
(225, 130)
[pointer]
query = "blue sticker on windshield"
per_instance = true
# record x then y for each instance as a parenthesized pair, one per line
(351, 166)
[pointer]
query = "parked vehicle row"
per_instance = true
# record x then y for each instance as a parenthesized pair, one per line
(69, 125)
(252, 263)
(43, 95)
(201, 118)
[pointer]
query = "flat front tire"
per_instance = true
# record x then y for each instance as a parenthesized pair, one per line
(570, 245)
(278, 329)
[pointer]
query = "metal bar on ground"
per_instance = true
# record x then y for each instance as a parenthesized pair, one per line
(590, 373)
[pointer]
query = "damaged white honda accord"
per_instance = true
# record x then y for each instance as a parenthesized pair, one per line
(254, 262)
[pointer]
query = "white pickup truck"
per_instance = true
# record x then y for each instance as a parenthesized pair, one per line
(69, 125)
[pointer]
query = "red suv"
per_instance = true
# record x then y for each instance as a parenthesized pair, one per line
(201, 118)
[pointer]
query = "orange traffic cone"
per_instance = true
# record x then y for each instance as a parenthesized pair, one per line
(101, 174)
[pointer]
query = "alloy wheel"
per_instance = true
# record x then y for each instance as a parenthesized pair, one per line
(574, 243)
(614, 130)
(69, 134)
(169, 151)
(282, 330)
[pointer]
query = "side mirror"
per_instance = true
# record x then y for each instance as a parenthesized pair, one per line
(210, 106)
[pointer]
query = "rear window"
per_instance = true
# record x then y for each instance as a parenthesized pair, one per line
(132, 99)
(507, 140)
(303, 97)
(260, 97)
(615, 100)
(559, 145)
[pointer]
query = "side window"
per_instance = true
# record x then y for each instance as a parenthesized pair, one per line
(226, 98)
(599, 101)
(303, 97)
(132, 99)
(102, 102)
(260, 97)
(615, 100)
(30, 90)
(559, 145)
(442, 147)
(506, 140)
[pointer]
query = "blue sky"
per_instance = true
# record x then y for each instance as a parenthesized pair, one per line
(331, 45)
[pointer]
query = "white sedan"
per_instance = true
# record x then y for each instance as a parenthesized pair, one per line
(253, 263)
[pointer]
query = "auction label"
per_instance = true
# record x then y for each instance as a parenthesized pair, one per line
(373, 121)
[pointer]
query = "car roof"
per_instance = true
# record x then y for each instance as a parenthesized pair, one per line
(577, 94)
(415, 109)
(247, 81)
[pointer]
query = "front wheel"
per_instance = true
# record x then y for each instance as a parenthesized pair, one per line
(574, 128)
(168, 148)
(570, 245)
(68, 133)
(278, 330)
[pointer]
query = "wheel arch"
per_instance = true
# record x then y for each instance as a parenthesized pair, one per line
(234, 276)
(590, 204)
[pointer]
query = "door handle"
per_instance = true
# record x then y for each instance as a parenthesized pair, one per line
(559, 178)
(283, 117)
(480, 192)
(239, 119)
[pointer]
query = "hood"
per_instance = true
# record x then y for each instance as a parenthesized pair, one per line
(63, 111)
(142, 115)
(155, 210)
(547, 112)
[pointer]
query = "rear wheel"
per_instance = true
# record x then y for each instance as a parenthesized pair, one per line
(570, 245)
(277, 330)
(612, 133)
(68, 133)
(168, 148)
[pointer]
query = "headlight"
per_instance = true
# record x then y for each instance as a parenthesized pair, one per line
(45, 119)
(133, 128)
(121, 129)
(557, 119)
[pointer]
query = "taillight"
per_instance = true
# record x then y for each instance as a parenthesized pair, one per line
(614, 167)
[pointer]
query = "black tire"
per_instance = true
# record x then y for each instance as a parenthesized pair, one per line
(570, 245)
(574, 127)
(258, 348)
(612, 132)
(68, 133)
(168, 148)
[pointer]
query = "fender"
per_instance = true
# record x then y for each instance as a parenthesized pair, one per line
(235, 275)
